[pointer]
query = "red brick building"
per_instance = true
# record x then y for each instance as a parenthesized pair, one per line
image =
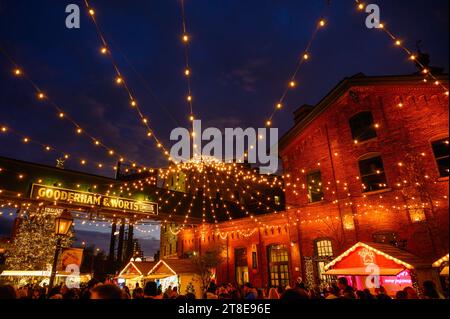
(368, 163)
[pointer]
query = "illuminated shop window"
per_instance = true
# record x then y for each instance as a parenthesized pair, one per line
(278, 265)
(372, 174)
(363, 127)
(441, 154)
(314, 184)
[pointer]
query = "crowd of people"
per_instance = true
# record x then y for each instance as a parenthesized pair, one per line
(109, 290)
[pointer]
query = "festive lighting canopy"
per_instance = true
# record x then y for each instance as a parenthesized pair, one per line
(205, 189)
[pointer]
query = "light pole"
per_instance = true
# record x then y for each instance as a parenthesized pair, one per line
(62, 227)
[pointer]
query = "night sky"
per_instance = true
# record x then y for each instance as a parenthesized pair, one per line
(242, 54)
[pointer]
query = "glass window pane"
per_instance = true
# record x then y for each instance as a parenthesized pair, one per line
(362, 127)
(314, 185)
(372, 174)
(324, 248)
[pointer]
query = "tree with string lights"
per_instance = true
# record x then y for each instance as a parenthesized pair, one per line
(33, 247)
(205, 264)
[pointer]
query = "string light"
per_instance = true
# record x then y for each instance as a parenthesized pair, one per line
(60, 113)
(44, 146)
(305, 56)
(187, 70)
(409, 53)
(121, 81)
(269, 122)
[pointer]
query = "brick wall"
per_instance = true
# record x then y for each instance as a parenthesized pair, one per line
(409, 116)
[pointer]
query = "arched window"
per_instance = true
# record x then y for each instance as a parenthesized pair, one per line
(363, 127)
(372, 173)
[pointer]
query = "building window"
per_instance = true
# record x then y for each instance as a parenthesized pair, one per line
(324, 248)
(363, 127)
(278, 265)
(372, 174)
(314, 183)
(324, 253)
(441, 154)
(385, 237)
(241, 266)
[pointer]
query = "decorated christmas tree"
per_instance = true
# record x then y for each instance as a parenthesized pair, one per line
(34, 245)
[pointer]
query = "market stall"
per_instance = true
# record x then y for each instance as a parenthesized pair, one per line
(179, 273)
(370, 265)
(442, 265)
(41, 277)
(134, 272)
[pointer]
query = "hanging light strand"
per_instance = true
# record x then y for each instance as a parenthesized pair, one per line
(304, 57)
(187, 71)
(47, 148)
(62, 114)
(120, 80)
(412, 57)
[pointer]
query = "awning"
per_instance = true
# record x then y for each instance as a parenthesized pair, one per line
(444, 271)
(129, 276)
(158, 276)
(362, 272)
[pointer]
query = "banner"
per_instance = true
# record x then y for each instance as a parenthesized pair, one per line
(69, 196)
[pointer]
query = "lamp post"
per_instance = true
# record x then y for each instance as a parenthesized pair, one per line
(62, 227)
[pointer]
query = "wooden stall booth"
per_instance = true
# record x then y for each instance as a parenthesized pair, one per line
(180, 273)
(370, 265)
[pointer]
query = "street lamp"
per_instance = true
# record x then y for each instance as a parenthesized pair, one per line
(62, 227)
